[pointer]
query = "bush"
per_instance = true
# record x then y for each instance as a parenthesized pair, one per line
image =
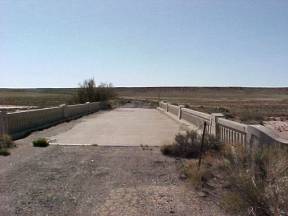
(233, 202)
(89, 92)
(4, 152)
(188, 145)
(263, 187)
(6, 141)
(41, 142)
(195, 175)
(105, 105)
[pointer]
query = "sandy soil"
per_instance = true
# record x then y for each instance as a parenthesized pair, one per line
(280, 127)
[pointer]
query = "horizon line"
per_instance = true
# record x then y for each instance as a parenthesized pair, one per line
(170, 86)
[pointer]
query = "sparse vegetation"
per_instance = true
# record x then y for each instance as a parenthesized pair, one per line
(5, 143)
(252, 117)
(36, 97)
(188, 145)
(251, 184)
(267, 102)
(89, 92)
(146, 147)
(232, 101)
(194, 175)
(4, 152)
(262, 187)
(41, 142)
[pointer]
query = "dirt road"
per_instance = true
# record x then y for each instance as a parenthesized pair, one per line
(88, 180)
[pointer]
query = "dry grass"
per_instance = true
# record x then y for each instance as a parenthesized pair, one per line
(233, 202)
(195, 176)
(5, 143)
(265, 102)
(251, 117)
(262, 187)
(35, 97)
(246, 184)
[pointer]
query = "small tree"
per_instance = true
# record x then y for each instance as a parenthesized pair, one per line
(86, 91)
(105, 92)
(89, 92)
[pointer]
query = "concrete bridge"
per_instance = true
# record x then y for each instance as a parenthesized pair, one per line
(121, 127)
(117, 177)
(98, 165)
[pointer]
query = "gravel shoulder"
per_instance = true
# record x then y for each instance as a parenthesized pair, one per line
(89, 180)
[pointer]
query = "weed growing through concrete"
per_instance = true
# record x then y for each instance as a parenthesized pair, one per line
(41, 142)
(4, 152)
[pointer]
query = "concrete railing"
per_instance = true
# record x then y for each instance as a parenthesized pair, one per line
(18, 124)
(195, 117)
(229, 132)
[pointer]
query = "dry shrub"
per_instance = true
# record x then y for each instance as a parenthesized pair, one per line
(233, 202)
(4, 152)
(188, 145)
(259, 181)
(276, 180)
(196, 176)
(214, 160)
(6, 141)
(41, 142)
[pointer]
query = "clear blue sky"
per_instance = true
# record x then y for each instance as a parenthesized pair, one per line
(58, 43)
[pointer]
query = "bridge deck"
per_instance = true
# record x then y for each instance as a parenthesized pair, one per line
(122, 127)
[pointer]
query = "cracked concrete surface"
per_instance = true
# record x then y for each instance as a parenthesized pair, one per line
(122, 127)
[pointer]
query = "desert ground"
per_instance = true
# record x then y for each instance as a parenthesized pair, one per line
(234, 101)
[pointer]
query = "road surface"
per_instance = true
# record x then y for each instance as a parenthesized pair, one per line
(122, 127)
(100, 180)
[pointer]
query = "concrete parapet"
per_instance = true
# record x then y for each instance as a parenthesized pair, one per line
(64, 110)
(214, 123)
(3, 123)
(180, 111)
(229, 132)
(18, 124)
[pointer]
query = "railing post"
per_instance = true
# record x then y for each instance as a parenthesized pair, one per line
(180, 111)
(3, 123)
(167, 106)
(214, 123)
